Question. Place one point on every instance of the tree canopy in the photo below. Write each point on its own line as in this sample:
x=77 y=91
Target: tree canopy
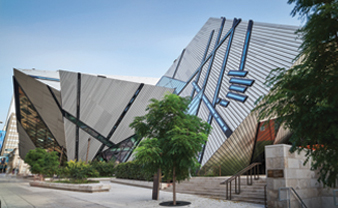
x=305 y=97
x=42 y=162
x=172 y=138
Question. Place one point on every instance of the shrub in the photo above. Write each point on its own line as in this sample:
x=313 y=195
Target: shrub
x=131 y=170
x=105 y=169
x=79 y=171
x=42 y=162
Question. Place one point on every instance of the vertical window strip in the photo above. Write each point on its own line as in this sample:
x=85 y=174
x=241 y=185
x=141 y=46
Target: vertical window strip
x=78 y=100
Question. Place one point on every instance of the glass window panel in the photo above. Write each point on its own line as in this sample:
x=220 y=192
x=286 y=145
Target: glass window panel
x=35 y=127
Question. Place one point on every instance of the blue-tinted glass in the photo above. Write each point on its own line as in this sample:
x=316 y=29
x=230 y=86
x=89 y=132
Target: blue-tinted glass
x=236 y=96
x=248 y=82
x=237 y=73
x=237 y=88
x=224 y=103
x=45 y=78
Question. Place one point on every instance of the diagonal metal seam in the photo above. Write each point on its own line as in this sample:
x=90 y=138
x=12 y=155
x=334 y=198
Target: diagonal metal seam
x=225 y=128
x=206 y=78
x=205 y=54
x=80 y=124
x=210 y=55
x=131 y=101
x=55 y=99
x=88 y=129
x=178 y=64
x=17 y=86
x=91 y=131
x=220 y=77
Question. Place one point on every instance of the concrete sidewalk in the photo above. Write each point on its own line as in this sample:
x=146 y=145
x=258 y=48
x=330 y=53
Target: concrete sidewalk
x=15 y=192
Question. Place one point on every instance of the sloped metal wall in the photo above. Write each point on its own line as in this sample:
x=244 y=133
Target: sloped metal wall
x=228 y=70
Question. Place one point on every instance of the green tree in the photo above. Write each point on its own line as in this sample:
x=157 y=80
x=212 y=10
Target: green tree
x=42 y=162
x=172 y=138
x=305 y=97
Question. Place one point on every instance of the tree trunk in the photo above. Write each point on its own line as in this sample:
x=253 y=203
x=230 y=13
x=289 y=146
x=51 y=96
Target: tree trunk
x=156 y=184
x=174 y=187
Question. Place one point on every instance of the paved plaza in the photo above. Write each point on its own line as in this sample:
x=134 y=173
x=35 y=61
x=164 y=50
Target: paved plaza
x=16 y=193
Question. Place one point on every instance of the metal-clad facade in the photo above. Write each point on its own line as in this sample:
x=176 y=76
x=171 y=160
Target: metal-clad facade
x=103 y=100
x=234 y=74
x=68 y=81
x=138 y=109
x=70 y=139
x=223 y=68
x=25 y=143
x=106 y=108
x=44 y=104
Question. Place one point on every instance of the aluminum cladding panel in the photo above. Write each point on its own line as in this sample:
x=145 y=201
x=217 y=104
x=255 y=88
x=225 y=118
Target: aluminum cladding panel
x=235 y=152
x=25 y=143
x=270 y=46
x=103 y=100
x=83 y=146
x=68 y=82
x=148 y=92
x=44 y=104
x=70 y=139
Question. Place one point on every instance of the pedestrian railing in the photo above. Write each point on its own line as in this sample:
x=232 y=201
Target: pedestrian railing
x=288 y=196
x=335 y=191
x=251 y=170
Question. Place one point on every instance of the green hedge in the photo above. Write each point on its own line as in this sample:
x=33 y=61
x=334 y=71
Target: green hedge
x=105 y=169
x=131 y=170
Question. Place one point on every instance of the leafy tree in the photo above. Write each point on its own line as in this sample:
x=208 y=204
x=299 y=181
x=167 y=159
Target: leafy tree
x=173 y=138
x=42 y=162
x=305 y=97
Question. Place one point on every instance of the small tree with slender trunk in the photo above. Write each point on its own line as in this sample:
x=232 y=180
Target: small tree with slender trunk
x=172 y=138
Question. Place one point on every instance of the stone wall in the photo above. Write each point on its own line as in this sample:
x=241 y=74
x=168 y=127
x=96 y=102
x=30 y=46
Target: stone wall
x=292 y=173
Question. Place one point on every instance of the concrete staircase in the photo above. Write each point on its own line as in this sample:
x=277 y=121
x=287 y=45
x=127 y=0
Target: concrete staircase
x=210 y=187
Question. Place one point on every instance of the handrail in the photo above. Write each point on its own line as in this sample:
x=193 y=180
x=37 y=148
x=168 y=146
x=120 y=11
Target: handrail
x=265 y=199
x=288 y=195
x=236 y=177
x=334 y=197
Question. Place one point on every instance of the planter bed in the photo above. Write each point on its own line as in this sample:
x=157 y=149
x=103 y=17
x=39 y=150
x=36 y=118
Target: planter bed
x=89 y=188
x=144 y=184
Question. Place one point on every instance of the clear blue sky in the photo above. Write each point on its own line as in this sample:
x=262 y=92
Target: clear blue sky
x=117 y=37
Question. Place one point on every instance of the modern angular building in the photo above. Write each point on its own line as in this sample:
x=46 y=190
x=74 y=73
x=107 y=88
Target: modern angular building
x=78 y=115
x=223 y=69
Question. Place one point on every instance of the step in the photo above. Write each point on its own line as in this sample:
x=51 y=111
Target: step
x=211 y=187
x=249 y=200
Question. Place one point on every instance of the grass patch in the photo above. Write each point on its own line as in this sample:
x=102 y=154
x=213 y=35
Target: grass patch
x=77 y=181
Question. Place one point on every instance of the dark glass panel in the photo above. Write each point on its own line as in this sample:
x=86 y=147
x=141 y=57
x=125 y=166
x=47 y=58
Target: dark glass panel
x=35 y=127
x=120 y=153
